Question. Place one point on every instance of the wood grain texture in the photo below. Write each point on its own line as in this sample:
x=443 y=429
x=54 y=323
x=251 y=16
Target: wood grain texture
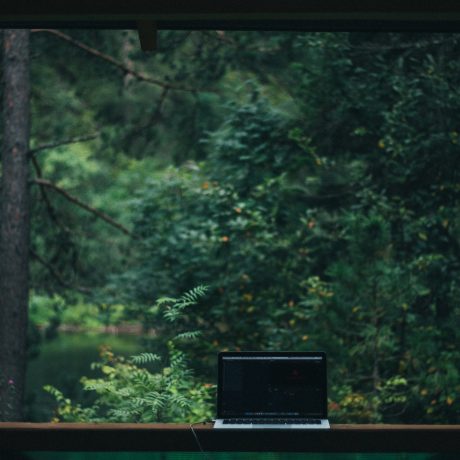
x=179 y=438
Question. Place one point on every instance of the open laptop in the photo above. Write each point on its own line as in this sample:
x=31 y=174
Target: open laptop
x=277 y=389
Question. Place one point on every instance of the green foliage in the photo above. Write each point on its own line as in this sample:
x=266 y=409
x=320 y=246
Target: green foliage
x=129 y=393
x=354 y=202
x=319 y=204
x=230 y=223
x=48 y=313
x=141 y=129
x=385 y=307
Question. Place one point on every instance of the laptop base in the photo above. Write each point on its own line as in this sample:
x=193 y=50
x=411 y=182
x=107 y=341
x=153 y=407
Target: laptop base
x=261 y=424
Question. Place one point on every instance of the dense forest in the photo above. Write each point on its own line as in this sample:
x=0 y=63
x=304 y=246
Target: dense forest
x=250 y=191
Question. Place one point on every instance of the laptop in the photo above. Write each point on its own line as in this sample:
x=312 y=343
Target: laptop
x=272 y=390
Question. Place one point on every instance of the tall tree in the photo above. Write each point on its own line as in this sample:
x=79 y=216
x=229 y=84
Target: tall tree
x=15 y=219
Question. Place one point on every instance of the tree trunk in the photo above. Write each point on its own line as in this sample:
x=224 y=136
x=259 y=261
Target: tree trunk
x=15 y=221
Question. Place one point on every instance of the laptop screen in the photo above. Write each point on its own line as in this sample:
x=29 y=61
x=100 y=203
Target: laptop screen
x=272 y=385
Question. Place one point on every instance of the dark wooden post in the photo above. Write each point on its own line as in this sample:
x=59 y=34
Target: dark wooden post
x=15 y=223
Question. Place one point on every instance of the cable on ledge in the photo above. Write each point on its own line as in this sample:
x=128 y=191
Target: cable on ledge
x=196 y=437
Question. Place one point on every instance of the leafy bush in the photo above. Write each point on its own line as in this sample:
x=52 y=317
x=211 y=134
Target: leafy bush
x=231 y=223
x=129 y=393
x=389 y=360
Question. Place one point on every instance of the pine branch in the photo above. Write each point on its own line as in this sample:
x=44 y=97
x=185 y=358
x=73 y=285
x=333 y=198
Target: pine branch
x=67 y=141
x=55 y=274
x=83 y=205
x=123 y=67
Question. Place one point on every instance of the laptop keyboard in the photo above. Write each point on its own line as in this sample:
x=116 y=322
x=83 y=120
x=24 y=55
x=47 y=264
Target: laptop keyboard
x=271 y=422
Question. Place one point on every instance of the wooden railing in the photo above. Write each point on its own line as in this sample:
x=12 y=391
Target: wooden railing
x=75 y=437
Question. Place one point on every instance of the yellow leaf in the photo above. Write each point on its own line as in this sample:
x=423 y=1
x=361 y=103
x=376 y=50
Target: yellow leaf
x=422 y=236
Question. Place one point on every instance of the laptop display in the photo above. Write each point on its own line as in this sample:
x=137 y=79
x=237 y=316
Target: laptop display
x=272 y=390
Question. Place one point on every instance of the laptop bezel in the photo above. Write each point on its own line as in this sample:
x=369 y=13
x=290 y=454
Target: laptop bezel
x=237 y=354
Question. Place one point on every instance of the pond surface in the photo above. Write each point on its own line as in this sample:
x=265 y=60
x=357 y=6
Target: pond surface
x=62 y=362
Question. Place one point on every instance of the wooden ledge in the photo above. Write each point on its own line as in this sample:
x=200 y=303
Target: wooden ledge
x=84 y=437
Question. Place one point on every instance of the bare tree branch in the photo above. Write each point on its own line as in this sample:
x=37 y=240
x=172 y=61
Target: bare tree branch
x=53 y=271
x=67 y=141
x=157 y=112
x=49 y=206
x=53 y=214
x=83 y=205
x=220 y=35
x=123 y=67
x=155 y=115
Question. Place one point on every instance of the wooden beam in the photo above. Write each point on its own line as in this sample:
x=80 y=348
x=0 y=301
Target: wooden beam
x=84 y=437
x=232 y=7
x=147 y=34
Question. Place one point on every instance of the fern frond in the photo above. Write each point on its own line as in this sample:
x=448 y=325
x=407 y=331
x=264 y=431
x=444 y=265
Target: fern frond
x=166 y=300
x=125 y=392
x=188 y=335
x=178 y=362
x=177 y=378
x=54 y=392
x=191 y=297
x=145 y=358
x=124 y=413
x=144 y=380
x=100 y=386
x=180 y=400
x=155 y=399
x=171 y=314
x=137 y=403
